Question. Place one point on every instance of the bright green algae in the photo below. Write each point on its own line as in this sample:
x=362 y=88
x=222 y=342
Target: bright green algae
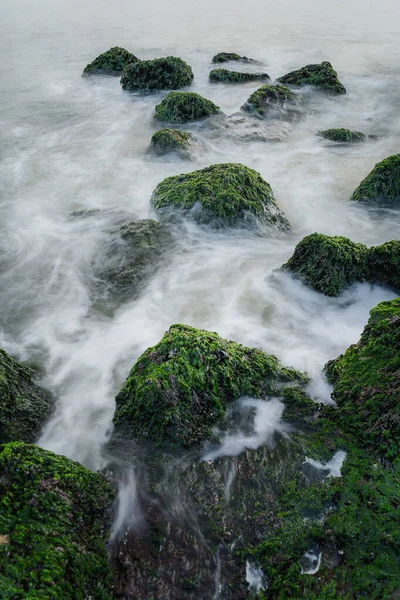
x=268 y=97
x=183 y=107
x=382 y=186
x=226 y=76
x=321 y=75
x=220 y=195
x=168 y=73
x=24 y=407
x=111 y=62
x=366 y=382
x=180 y=388
x=330 y=264
x=54 y=525
x=343 y=135
x=171 y=140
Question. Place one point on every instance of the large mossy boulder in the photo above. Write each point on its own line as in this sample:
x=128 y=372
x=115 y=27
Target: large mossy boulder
x=382 y=186
x=321 y=75
x=222 y=57
x=383 y=264
x=341 y=135
x=54 y=524
x=111 y=62
x=184 y=107
x=165 y=141
x=271 y=99
x=366 y=380
x=179 y=389
x=170 y=73
x=328 y=264
x=224 y=195
x=226 y=76
x=24 y=406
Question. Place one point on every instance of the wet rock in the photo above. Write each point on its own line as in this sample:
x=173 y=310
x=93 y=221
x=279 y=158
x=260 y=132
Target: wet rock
x=224 y=195
x=170 y=73
x=342 y=135
x=24 y=406
x=245 y=128
x=111 y=62
x=54 y=523
x=382 y=186
x=231 y=56
x=383 y=264
x=273 y=100
x=225 y=76
x=165 y=141
x=321 y=75
x=184 y=107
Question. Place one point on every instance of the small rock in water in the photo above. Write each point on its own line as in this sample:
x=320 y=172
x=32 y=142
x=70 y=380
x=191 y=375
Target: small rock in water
x=382 y=186
x=345 y=136
x=226 y=76
x=183 y=107
x=321 y=75
x=273 y=101
x=170 y=73
x=111 y=62
x=231 y=56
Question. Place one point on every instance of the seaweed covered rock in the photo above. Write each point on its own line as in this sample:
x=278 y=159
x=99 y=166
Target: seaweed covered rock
x=173 y=140
x=321 y=75
x=224 y=195
x=383 y=264
x=132 y=254
x=328 y=264
x=24 y=407
x=226 y=76
x=54 y=522
x=382 y=186
x=343 y=135
x=271 y=99
x=230 y=56
x=183 y=107
x=111 y=62
x=179 y=389
x=366 y=380
x=170 y=73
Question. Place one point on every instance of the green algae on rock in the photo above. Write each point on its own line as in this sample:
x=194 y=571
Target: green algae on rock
x=268 y=98
x=382 y=186
x=366 y=380
x=24 y=406
x=183 y=107
x=170 y=73
x=111 y=62
x=321 y=75
x=342 y=135
x=383 y=264
x=328 y=264
x=54 y=522
x=226 y=76
x=222 y=195
x=172 y=140
x=230 y=56
x=179 y=389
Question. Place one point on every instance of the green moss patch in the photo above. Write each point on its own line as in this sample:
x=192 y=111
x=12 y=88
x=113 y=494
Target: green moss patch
x=226 y=76
x=269 y=97
x=230 y=56
x=171 y=140
x=184 y=107
x=382 y=186
x=111 y=62
x=170 y=73
x=321 y=75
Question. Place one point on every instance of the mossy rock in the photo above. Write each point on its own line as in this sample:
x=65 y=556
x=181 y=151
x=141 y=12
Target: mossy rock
x=54 y=524
x=383 y=264
x=224 y=195
x=343 y=135
x=179 y=389
x=111 y=62
x=172 y=140
x=226 y=76
x=269 y=99
x=131 y=256
x=170 y=73
x=24 y=407
x=382 y=186
x=222 y=57
x=184 y=107
x=321 y=75
x=366 y=380
x=328 y=264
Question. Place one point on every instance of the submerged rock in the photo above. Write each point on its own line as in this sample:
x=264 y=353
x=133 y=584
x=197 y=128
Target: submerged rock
x=366 y=381
x=321 y=75
x=224 y=195
x=183 y=107
x=244 y=128
x=54 y=523
x=270 y=100
x=328 y=264
x=382 y=186
x=173 y=140
x=179 y=389
x=231 y=56
x=225 y=76
x=111 y=62
x=342 y=135
x=24 y=406
x=170 y=73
